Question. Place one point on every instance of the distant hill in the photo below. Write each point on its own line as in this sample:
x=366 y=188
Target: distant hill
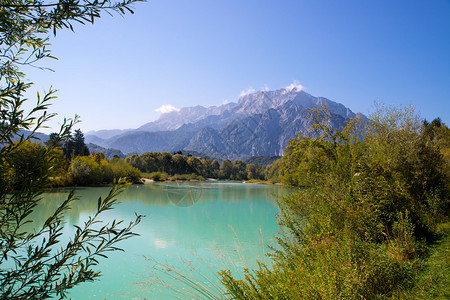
x=37 y=137
x=262 y=160
x=93 y=148
x=109 y=153
x=259 y=124
x=106 y=134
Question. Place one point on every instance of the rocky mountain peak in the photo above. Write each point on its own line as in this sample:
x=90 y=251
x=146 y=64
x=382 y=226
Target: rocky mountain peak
x=259 y=124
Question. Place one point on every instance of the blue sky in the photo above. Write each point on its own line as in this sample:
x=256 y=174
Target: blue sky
x=119 y=71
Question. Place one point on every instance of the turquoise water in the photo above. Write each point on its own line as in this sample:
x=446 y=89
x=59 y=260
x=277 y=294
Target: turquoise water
x=195 y=229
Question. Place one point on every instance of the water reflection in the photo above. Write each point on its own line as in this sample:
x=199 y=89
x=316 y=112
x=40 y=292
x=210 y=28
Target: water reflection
x=238 y=219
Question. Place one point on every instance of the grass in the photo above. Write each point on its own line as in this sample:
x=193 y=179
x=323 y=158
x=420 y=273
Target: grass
x=195 y=278
x=195 y=275
x=433 y=279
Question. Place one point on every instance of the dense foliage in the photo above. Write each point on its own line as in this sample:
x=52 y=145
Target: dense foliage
x=97 y=169
x=367 y=206
x=262 y=160
x=64 y=168
x=34 y=264
x=164 y=165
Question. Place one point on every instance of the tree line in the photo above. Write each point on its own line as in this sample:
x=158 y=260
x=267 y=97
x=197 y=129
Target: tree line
x=73 y=164
x=164 y=165
x=69 y=161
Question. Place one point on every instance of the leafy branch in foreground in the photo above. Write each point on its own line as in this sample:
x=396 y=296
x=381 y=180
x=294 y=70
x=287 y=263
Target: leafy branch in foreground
x=34 y=263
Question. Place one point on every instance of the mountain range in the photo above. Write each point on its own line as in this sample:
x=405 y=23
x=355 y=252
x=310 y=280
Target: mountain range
x=259 y=124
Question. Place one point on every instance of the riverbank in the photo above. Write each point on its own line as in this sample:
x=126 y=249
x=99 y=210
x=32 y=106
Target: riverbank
x=169 y=179
x=433 y=278
x=257 y=181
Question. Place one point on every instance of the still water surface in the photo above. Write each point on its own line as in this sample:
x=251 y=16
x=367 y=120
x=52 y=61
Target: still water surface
x=202 y=225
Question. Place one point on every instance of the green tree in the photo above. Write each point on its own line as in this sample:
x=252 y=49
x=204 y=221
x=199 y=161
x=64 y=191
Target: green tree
x=75 y=146
x=136 y=161
x=35 y=265
x=85 y=170
x=212 y=167
x=179 y=164
x=273 y=172
x=239 y=170
x=226 y=169
x=165 y=162
x=195 y=165
x=255 y=172
x=53 y=140
x=149 y=162
x=98 y=157
x=121 y=169
x=79 y=146
x=31 y=160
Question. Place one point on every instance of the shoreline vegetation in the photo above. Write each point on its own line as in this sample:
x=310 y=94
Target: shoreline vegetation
x=251 y=181
x=368 y=218
x=71 y=164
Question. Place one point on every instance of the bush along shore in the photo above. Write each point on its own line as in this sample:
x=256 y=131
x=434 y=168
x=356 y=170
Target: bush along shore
x=369 y=219
x=71 y=164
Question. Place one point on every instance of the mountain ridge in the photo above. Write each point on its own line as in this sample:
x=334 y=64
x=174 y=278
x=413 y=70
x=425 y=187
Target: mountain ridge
x=259 y=124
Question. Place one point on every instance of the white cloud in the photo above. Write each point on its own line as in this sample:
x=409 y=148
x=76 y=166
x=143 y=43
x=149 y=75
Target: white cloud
x=247 y=92
x=295 y=86
x=266 y=88
x=161 y=244
x=166 y=108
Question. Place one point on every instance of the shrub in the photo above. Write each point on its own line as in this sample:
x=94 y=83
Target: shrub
x=121 y=169
x=84 y=170
x=29 y=159
x=186 y=177
x=157 y=176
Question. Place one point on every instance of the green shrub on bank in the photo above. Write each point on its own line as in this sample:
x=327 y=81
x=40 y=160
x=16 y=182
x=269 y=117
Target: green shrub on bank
x=156 y=176
x=186 y=177
x=274 y=172
x=30 y=159
x=363 y=215
x=161 y=176
x=85 y=170
x=121 y=169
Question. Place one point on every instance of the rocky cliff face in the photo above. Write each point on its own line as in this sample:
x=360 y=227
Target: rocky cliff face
x=259 y=124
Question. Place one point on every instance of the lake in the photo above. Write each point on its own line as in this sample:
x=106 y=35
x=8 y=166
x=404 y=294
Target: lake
x=193 y=229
